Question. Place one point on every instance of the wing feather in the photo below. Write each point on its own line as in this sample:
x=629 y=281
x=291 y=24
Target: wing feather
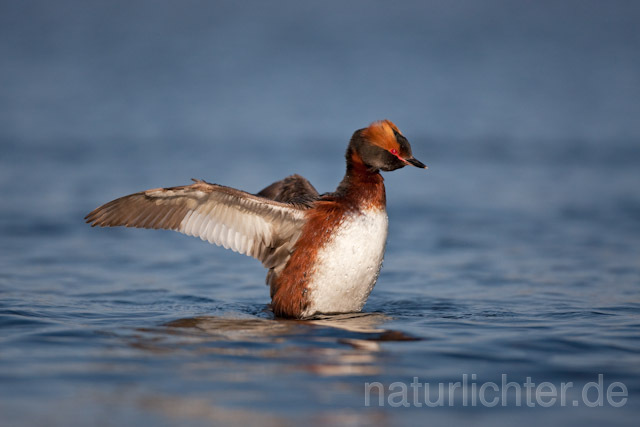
x=243 y=222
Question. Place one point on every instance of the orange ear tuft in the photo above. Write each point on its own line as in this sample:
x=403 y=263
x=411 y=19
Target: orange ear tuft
x=380 y=133
x=391 y=125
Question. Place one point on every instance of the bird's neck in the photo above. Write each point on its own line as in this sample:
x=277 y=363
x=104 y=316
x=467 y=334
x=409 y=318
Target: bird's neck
x=362 y=185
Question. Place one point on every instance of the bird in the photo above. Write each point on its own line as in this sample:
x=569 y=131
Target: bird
x=323 y=252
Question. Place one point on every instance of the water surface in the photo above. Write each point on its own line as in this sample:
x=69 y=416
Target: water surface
x=515 y=254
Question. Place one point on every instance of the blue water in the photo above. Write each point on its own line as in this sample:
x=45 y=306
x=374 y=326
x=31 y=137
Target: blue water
x=517 y=253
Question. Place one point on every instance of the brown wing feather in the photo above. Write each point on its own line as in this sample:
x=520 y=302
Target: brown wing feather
x=250 y=224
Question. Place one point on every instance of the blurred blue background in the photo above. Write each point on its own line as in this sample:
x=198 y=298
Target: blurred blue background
x=288 y=70
x=521 y=240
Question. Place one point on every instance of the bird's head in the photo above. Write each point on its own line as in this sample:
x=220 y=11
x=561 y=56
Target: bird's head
x=382 y=146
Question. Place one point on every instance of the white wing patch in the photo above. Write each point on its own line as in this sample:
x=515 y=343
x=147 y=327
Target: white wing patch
x=245 y=234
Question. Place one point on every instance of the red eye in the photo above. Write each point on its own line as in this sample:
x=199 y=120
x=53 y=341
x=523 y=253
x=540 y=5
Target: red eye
x=394 y=151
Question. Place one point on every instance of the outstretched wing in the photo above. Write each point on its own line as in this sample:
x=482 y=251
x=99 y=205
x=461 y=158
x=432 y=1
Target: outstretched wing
x=245 y=223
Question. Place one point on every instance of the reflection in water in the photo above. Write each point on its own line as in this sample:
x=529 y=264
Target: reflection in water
x=343 y=344
x=238 y=357
x=356 y=322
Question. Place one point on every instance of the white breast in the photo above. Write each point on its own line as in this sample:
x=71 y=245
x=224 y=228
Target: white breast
x=348 y=264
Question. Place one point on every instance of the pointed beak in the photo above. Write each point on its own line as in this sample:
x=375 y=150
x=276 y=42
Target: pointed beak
x=417 y=163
